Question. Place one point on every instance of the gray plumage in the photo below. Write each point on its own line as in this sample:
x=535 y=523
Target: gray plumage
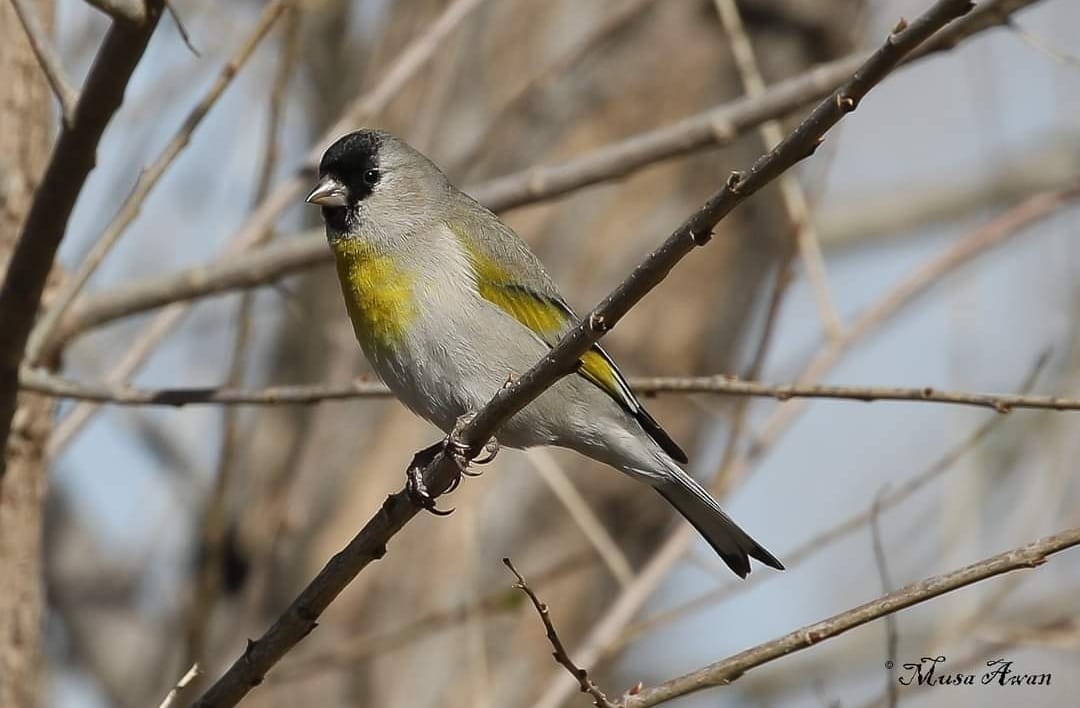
x=447 y=301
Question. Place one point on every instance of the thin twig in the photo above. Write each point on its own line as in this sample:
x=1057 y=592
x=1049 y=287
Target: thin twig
x=72 y=159
x=174 y=693
x=892 y=634
x=713 y=128
x=357 y=648
x=169 y=5
x=49 y=61
x=791 y=192
x=45 y=383
x=1043 y=46
x=38 y=347
x=724 y=672
x=370 y=543
x=587 y=685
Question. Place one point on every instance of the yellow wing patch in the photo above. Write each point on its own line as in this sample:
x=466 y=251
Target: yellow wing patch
x=548 y=317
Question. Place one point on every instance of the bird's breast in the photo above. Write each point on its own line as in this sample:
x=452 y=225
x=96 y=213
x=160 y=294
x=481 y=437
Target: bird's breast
x=378 y=293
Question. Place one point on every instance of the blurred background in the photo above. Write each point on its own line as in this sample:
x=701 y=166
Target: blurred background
x=172 y=535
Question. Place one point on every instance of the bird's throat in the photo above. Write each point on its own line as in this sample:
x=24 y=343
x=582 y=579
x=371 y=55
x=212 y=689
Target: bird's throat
x=378 y=293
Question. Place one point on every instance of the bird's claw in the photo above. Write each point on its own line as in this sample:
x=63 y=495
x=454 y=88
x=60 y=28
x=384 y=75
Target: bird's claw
x=415 y=486
x=418 y=491
x=451 y=446
x=491 y=449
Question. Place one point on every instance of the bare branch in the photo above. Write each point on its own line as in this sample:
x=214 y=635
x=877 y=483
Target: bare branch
x=133 y=11
x=37 y=348
x=255 y=268
x=47 y=57
x=42 y=382
x=792 y=195
x=583 y=516
x=1058 y=55
x=587 y=685
x=714 y=128
x=179 y=22
x=724 y=672
x=892 y=634
x=370 y=543
x=174 y=693
x=356 y=648
x=72 y=159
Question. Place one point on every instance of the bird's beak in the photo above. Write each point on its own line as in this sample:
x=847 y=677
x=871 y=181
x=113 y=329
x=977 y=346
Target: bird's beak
x=328 y=193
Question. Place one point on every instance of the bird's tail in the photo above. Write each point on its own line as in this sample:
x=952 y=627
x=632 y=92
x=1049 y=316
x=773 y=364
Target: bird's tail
x=734 y=545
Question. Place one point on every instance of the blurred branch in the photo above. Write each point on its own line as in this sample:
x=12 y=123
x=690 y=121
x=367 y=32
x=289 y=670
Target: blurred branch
x=42 y=382
x=179 y=22
x=608 y=26
x=713 y=128
x=724 y=672
x=258 y=267
x=440 y=474
x=38 y=347
x=1042 y=165
x=1043 y=46
x=49 y=60
x=583 y=516
x=587 y=685
x=172 y=695
x=356 y=648
x=892 y=635
x=133 y=11
x=73 y=157
x=791 y=192
x=257 y=228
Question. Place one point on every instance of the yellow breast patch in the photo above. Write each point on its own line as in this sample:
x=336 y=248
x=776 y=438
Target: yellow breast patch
x=378 y=293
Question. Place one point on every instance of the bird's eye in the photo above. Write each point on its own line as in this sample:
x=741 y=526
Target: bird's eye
x=371 y=177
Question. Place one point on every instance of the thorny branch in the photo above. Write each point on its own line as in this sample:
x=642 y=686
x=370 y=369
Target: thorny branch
x=587 y=685
x=300 y=618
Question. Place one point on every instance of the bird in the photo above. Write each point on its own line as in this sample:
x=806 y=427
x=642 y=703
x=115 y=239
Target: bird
x=447 y=302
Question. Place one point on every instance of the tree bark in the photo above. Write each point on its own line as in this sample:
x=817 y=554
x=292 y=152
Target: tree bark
x=24 y=143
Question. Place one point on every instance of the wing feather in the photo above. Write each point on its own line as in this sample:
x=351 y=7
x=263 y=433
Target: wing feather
x=539 y=307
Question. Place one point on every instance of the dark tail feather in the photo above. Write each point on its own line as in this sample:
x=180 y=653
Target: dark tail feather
x=733 y=544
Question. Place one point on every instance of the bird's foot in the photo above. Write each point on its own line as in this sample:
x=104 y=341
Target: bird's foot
x=415 y=486
x=458 y=451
